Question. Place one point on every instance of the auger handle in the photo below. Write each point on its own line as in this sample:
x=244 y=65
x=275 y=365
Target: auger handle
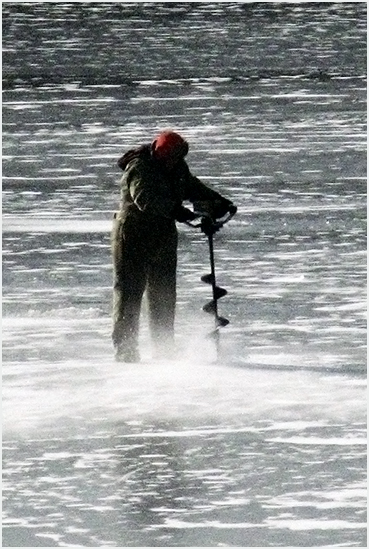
x=208 y=225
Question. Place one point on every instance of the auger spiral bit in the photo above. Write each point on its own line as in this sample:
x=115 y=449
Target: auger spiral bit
x=212 y=306
x=209 y=227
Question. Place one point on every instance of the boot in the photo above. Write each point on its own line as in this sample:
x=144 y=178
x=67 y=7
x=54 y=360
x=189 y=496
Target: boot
x=125 y=353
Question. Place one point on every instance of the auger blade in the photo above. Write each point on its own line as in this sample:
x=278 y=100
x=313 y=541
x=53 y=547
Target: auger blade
x=208 y=279
x=221 y=321
x=219 y=292
x=210 y=307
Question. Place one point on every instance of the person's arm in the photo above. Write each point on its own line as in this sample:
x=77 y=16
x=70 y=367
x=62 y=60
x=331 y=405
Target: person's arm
x=207 y=200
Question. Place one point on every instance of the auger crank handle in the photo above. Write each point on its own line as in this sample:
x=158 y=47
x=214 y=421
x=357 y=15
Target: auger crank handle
x=207 y=223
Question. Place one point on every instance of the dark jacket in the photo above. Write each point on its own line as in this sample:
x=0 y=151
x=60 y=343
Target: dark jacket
x=151 y=193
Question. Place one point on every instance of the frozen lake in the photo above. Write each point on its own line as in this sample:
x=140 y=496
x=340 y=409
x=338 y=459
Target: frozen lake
x=265 y=444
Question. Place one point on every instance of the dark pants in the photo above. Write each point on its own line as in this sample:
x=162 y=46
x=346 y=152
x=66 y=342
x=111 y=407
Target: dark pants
x=144 y=258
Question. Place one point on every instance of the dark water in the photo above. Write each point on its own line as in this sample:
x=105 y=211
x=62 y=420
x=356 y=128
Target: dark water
x=266 y=446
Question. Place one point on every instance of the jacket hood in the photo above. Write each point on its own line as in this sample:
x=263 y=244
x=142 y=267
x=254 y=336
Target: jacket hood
x=132 y=154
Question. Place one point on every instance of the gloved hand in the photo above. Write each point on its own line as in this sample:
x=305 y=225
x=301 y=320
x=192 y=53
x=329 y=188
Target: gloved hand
x=217 y=208
x=183 y=214
x=222 y=207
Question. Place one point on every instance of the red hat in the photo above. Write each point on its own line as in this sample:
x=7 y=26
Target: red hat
x=169 y=144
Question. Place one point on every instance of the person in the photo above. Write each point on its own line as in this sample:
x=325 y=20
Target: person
x=155 y=183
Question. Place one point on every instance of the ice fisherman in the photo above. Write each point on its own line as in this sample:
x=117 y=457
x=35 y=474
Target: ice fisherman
x=155 y=182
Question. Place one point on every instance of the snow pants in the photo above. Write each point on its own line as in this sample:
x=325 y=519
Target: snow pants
x=144 y=259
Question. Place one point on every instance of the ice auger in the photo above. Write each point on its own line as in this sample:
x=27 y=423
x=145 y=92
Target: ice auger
x=209 y=227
